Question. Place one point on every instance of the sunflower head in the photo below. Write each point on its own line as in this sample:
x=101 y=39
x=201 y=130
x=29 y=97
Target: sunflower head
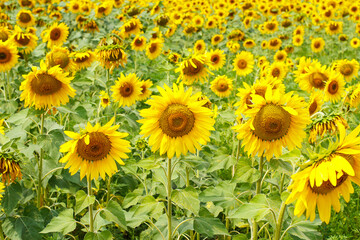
x=59 y=56
x=25 y=18
x=127 y=89
x=244 y=63
x=82 y=59
x=9 y=167
x=222 y=86
x=104 y=99
x=8 y=56
x=56 y=35
x=193 y=69
x=154 y=48
x=217 y=59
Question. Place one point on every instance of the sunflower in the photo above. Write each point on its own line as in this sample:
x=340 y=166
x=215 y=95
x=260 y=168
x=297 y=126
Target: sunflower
x=46 y=87
x=244 y=63
x=316 y=77
x=199 y=46
x=162 y=20
x=154 y=48
x=274 y=44
x=9 y=167
x=25 y=40
x=217 y=59
x=56 y=35
x=271 y=27
x=133 y=26
x=280 y=56
x=8 y=56
x=104 y=99
x=249 y=43
x=95 y=150
x=2 y=189
x=126 y=90
x=4 y=34
x=335 y=87
x=91 y=26
x=59 y=56
x=334 y=27
x=171 y=30
x=103 y=9
x=315 y=102
x=74 y=6
x=222 y=86
x=355 y=43
x=27 y=3
x=348 y=69
x=298 y=40
x=174 y=57
x=82 y=59
x=275 y=121
x=25 y=18
x=176 y=121
x=299 y=30
x=2 y=127
x=303 y=67
x=145 y=92
x=317 y=44
x=216 y=39
x=264 y=44
x=277 y=70
x=139 y=43
x=111 y=56
x=329 y=176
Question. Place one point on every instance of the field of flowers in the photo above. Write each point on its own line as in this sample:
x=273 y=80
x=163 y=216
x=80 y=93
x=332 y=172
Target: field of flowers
x=193 y=119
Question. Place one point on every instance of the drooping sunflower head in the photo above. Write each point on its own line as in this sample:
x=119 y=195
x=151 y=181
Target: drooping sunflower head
x=348 y=69
x=91 y=26
x=56 y=35
x=95 y=151
x=46 y=87
x=176 y=121
x=154 y=48
x=244 y=63
x=9 y=167
x=111 y=56
x=82 y=59
x=139 y=43
x=59 y=56
x=217 y=59
x=193 y=69
x=145 y=91
x=25 y=18
x=127 y=89
x=222 y=86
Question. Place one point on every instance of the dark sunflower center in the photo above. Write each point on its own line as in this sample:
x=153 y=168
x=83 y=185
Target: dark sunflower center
x=328 y=13
x=272 y=122
x=59 y=58
x=177 y=120
x=98 y=148
x=130 y=27
x=153 y=48
x=45 y=84
x=222 y=86
x=242 y=64
x=318 y=80
x=333 y=26
x=270 y=26
x=217 y=38
x=5 y=55
x=275 y=72
x=143 y=89
x=313 y=108
x=280 y=57
x=115 y=55
x=215 y=59
x=105 y=100
x=333 y=87
x=346 y=69
x=75 y=7
x=327 y=186
x=126 y=89
x=55 y=34
x=274 y=43
x=138 y=42
x=101 y=9
x=81 y=60
x=190 y=70
x=24 y=17
x=23 y=40
x=26 y=3
x=199 y=47
x=317 y=45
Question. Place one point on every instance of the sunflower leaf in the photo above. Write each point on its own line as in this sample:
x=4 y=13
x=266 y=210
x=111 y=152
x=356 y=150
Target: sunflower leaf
x=83 y=200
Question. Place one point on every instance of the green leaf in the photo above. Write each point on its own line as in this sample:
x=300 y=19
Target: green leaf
x=221 y=195
x=64 y=223
x=113 y=212
x=257 y=209
x=104 y=235
x=187 y=198
x=82 y=201
x=304 y=229
x=148 y=163
x=150 y=206
x=209 y=226
x=13 y=194
x=246 y=173
x=221 y=162
x=22 y=228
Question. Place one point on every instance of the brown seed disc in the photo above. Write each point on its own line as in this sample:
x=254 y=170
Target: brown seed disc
x=346 y=69
x=242 y=64
x=327 y=186
x=55 y=34
x=24 y=17
x=23 y=40
x=153 y=48
x=222 y=86
x=132 y=26
x=45 y=84
x=272 y=122
x=81 y=60
x=215 y=59
x=98 y=148
x=275 y=72
x=5 y=55
x=333 y=87
x=318 y=80
x=313 y=107
x=138 y=42
x=126 y=89
x=190 y=70
x=177 y=120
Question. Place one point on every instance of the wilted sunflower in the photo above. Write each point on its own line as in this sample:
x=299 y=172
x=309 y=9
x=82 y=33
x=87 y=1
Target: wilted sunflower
x=91 y=26
x=133 y=26
x=25 y=18
x=2 y=189
x=315 y=102
x=317 y=44
x=59 y=56
x=46 y=87
x=8 y=56
x=139 y=43
x=9 y=167
x=111 y=56
x=275 y=121
x=335 y=87
x=222 y=86
x=244 y=63
x=95 y=150
x=193 y=69
x=126 y=90
x=217 y=59
x=145 y=91
x=83 y=59
x=104 y=99
x=56 y=35
x=329 y=176
x=24 y=39
x=154 y=48
x=176 y=121
x=349 y=69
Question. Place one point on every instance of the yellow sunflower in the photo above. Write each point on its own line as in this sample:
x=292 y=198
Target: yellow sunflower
x=317 y=44
x=280 y=56
x=193 y=69
x=222 y=86
x=323 y=124
x=95 y=150
x=24 y=39
x=316 y=101
x=56 y=35
x=244 y=63
x=355 y=43
x=176 y=121
x=249 y=43
x=335 y=87
x=139 y=43
x=329 y=176
x=274 y=44
x=154 y=48
x=316 y=77
x=145 y=92
x=2 y=127
x=216 y=39
x=349 y=69
x=199 y=46
x=2 y=189
x=217 y=59
x=46 y=87
x=25 y=18
x=298 y=40
x=59 y=56
x=126 y=90
x=4 y=33
x=9 y=168
x=8 y=56
x=277 y=70
x=275 y=121
x=104 y=99
x=103 y=9
x=334 y=27
x=133 y=26
x=83 y=59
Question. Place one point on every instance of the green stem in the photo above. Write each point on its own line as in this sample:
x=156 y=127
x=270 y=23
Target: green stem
x=91 y=214
x=258 y=191
x=187 y=176
x=279 y=221
x=237 y=158
x=281 y=187
x=108 y=190
x=40 y=166
x=169 y=206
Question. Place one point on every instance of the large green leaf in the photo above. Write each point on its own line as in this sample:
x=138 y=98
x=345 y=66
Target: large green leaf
x=13 y=194
x=22 y=227
x=105 y=235
x=82 y=201
x=64 y=223
x=256 y=209
x=209 y=226
x=113 y=212
x=222 y=195
x=187 y=198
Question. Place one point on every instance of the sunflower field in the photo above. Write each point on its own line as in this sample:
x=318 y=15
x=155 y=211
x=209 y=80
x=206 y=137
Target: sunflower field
x=179 y=120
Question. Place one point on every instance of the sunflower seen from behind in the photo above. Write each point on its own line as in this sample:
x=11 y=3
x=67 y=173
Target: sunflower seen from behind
x=126 y=90
x=46 y=87
x=176 y=121
x=59 y=56
x=95 y=150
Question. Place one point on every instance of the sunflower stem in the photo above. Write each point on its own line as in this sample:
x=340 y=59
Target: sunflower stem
x=187 y=176
x=40 y=163
x=258 y=191
x=169 y=206
x=91 y=214
x=108 y=190
x=279 y=221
